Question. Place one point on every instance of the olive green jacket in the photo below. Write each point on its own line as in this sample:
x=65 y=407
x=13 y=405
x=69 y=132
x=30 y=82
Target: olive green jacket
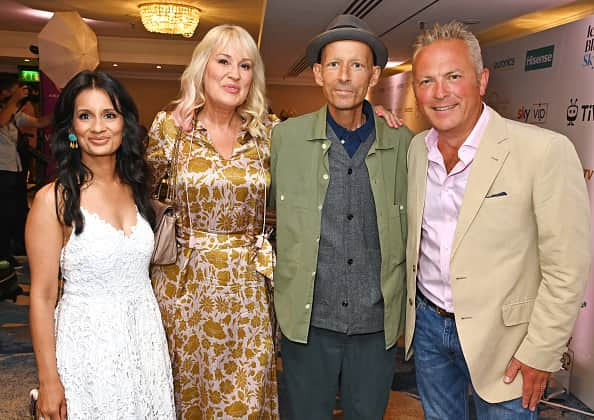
x=300 y=175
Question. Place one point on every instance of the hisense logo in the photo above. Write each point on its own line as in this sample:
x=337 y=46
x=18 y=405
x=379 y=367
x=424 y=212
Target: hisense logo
x=539 y=58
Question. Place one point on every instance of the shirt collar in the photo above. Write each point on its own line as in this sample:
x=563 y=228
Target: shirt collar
x=468 y=149
x=362 y=132
x=243 y=137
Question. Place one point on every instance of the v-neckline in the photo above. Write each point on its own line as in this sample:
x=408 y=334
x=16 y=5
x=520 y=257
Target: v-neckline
x=120 y=231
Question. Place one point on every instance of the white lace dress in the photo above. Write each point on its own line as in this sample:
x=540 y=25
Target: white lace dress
x=111 y=348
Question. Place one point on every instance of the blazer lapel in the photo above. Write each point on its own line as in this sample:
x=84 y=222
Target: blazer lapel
x=489 y=159
x=420 y=180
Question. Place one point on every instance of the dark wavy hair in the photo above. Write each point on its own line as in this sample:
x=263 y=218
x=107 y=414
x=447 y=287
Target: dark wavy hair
x=131 y=166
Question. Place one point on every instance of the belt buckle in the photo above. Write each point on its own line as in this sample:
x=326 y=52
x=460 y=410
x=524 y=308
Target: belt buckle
x=443 y=312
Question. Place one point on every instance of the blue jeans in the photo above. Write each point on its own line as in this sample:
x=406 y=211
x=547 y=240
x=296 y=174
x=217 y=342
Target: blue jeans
x=443 y=379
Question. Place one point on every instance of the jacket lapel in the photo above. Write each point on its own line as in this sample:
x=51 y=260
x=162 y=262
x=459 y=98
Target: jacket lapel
x=491 y=154
x=419 y=177
x=375 y=153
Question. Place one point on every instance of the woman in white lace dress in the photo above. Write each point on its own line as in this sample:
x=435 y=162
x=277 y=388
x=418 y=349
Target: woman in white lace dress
x=102 y=354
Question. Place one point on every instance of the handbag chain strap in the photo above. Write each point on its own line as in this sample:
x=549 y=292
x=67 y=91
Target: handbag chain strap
x=172 y=170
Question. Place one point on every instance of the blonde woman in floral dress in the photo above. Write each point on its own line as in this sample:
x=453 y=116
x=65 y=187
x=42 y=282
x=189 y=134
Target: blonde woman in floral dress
x=214 y=299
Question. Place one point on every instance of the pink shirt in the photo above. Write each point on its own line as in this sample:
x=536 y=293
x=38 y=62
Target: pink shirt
x=443 y=198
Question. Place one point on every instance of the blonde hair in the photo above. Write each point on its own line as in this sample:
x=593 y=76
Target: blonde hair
x=253 y=110
x=451 y=30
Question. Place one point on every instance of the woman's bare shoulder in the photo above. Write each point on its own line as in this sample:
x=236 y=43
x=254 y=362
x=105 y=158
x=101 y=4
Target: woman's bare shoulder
x=45 y=198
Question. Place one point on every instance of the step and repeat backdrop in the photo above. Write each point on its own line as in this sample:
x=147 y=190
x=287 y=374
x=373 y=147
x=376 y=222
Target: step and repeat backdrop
x=547 y=79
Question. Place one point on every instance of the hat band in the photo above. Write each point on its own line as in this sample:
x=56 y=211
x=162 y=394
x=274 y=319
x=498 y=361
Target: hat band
x=344 y=26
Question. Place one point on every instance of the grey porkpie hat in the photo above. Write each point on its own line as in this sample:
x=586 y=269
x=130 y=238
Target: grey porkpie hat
x=347 y=27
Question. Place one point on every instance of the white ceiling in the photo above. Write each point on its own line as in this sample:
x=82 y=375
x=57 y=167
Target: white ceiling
x=121 y=17
x=286 y=28
x=290 y=24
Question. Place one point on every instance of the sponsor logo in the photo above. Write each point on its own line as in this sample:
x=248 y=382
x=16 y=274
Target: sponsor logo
x=588 y=60
x=533 y=114
x=505 y=64
x=539 y=58
x=577 y=112
x=572 y=111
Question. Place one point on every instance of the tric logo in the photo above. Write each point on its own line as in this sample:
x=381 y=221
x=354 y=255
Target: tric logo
x=572 y=111
x=574 y=114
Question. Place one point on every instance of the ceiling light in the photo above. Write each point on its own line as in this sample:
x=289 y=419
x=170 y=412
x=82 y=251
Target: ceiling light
x=114 y=64
x=158 y=66
x=170 y=18
x=43 y=14
x=394 y=63
x=26 y=60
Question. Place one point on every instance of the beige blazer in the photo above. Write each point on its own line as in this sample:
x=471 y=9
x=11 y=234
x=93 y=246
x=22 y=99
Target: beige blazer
x=521 y=252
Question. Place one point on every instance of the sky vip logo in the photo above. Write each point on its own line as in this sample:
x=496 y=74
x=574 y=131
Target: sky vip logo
x=533 y=114
x=539 y=58
x=505 y=64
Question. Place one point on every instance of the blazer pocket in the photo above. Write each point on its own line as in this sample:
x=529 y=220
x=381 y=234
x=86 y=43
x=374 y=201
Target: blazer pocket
x=497 y=195
x=517 y=313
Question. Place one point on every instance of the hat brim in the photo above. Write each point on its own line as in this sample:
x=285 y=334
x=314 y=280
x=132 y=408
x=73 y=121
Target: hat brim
x=313 y=51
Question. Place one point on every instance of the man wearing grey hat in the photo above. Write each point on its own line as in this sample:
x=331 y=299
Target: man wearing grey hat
x=339 y=189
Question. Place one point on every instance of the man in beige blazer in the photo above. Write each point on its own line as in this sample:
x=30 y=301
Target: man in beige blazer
x=498 y=251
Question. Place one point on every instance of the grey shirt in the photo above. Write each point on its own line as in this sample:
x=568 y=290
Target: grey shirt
x=347 y=293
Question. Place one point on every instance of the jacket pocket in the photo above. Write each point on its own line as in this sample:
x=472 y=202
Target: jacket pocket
x=517 y=313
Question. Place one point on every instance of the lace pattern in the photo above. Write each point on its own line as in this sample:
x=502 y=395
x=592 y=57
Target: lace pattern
x=111 y=348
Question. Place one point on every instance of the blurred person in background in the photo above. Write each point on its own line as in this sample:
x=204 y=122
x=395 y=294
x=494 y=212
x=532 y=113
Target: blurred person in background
x=13 y=188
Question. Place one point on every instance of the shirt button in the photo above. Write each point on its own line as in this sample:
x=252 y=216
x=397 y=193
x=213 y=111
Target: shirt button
x=350 y=217
x=313 y=274
x=324 y=146
x=350 y=171
x=282 y=197
x=401 y=207
x=414 y=269
x=410 y=302
x=350 y=261
x=320 y=207
x=345 y=303
x=325 y=176
x=307 y=306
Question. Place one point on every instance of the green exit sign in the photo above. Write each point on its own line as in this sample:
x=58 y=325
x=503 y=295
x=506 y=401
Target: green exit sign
x=29 y=75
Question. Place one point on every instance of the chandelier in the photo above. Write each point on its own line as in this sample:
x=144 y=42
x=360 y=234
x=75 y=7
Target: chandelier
x=170 y=18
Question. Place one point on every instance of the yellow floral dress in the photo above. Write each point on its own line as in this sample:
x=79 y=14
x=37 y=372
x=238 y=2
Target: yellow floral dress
x=213 y=300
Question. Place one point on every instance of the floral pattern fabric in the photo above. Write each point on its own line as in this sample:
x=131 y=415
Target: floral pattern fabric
x=214 y=300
